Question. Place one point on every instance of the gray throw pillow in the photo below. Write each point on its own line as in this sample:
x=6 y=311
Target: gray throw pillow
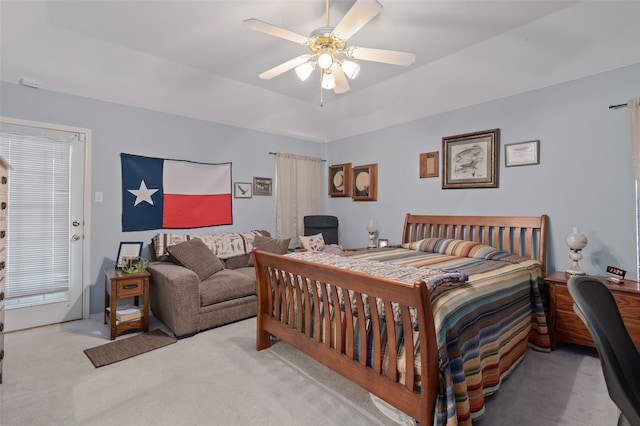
x=195 y=255
x=271 y=245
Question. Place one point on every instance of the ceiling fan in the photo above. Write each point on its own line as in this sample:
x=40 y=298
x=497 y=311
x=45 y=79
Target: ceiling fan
x=329 y=50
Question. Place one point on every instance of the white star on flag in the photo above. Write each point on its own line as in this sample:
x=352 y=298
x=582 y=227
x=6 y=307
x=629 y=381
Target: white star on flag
x=143 y=193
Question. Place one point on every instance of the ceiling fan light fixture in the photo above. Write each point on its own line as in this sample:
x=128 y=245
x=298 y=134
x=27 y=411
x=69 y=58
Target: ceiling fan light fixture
x=325 y=60
x=351 y=69
x=328 y=80
x=304 y=71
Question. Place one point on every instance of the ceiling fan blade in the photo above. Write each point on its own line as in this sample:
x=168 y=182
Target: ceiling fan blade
x=256 y=24
x=380 y=55
x=360 y=13
x=282 y=68
x=342 y=85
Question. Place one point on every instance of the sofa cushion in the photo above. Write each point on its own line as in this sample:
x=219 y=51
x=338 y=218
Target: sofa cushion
x=270 y=245
x=195 y=255
x=225 y=245
x=237 y=262
x=226 y=285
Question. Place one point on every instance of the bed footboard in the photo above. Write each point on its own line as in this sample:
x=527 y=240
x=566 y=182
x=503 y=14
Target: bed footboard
x=357 y=324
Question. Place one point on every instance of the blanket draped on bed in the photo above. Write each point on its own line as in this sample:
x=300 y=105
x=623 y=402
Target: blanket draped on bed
x=483 y=326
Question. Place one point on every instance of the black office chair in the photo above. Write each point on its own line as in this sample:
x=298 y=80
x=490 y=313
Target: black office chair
x=321 y=224
x=619 y=357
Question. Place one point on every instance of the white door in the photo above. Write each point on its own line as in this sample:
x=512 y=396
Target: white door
x=46 y=244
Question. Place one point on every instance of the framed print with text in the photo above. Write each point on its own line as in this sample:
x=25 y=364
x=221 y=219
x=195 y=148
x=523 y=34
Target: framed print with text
x=471 y=160
x=522 y=153
x=340 y=180
x=365 y=183
x=429 y=164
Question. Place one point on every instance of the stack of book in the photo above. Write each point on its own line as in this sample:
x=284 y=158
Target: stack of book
x=126 y=313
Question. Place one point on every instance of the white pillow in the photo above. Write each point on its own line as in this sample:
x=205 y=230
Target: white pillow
x=312 y=242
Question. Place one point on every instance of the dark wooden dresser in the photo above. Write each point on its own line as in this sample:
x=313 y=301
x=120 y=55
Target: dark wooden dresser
x=566 y=326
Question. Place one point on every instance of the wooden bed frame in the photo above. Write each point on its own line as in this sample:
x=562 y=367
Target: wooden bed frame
x=283 y=308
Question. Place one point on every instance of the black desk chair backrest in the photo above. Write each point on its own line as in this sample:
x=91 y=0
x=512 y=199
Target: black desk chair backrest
x=619 y=357
x=322 y=224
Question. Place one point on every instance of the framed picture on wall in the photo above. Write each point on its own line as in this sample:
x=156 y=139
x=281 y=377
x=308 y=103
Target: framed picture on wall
x=340 y=180
x=522 y=153
x=261 y=186
x=429 y=164
x=471 y=160
x=365 y=183
x=242 y=190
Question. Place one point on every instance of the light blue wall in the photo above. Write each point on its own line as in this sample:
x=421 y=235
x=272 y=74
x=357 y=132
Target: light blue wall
x=117 y=128
x=584 y=177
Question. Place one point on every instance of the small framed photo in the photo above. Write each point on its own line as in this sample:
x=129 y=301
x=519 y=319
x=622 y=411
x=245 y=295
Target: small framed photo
x=522 y=153
x=471 y=160
x=429 y=164
x=242 y=190
x=340 y=180
x=261 y=186
x=365 y=183
x=127 y=253
x=382 y=242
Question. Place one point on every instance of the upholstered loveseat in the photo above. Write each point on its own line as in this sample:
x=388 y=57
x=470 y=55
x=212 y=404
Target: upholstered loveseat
x=201 y=282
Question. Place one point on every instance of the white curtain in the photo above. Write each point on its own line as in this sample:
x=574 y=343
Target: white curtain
x=298 y=193
x=633 y=105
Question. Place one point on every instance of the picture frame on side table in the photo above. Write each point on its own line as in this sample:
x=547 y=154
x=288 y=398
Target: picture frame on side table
x=365 y=183
x=382 y=242
x=522 y=153
x=340 y=180
x=429 y=164
x=262 y=186
x=242 y=190
x=128 y=250
x=471 y=160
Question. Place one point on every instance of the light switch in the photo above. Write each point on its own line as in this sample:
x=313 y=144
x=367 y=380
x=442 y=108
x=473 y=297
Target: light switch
x=98 y=197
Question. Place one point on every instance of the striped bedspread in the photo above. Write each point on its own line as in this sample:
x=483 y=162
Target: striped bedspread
x=483 y=326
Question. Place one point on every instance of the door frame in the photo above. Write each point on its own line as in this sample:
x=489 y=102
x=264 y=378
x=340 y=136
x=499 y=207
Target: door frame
x=84 y=135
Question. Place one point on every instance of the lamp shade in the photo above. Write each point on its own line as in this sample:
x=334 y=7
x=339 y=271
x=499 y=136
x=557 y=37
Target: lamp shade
x=304 y=71
x=351 y=69
x=328 y=81
x=325 y=60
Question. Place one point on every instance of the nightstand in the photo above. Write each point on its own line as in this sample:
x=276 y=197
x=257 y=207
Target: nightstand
x=566 y=326
x=120 y=285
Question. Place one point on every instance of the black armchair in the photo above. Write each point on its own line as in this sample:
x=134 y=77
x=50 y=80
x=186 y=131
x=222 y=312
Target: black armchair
x=322 y=224
x=619 y=357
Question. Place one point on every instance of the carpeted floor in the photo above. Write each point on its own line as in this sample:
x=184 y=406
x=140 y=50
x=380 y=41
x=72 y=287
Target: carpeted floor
x=218 y=378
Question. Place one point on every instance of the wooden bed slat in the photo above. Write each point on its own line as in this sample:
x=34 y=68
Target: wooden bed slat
x=377 y=336
x=392 y=345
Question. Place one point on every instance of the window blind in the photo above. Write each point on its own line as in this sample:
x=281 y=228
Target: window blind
x=39 y=214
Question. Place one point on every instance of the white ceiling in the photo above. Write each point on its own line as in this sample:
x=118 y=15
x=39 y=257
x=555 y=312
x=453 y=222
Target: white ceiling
x=194 y=58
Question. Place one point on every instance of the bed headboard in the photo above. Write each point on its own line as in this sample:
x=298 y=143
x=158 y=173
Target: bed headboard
x=521 y=235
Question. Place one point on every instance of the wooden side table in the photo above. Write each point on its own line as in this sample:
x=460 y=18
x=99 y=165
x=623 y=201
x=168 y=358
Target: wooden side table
x=566 y=326
x=120 y=285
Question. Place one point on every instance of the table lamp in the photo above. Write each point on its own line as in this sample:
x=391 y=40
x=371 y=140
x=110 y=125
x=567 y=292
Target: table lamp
x=576 y=242
x=371 y=228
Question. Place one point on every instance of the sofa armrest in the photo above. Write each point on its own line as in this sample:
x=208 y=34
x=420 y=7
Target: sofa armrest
x=175 y=297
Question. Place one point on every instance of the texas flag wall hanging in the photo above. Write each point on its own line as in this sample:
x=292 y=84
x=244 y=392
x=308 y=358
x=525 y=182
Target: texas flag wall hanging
x=159 y=193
